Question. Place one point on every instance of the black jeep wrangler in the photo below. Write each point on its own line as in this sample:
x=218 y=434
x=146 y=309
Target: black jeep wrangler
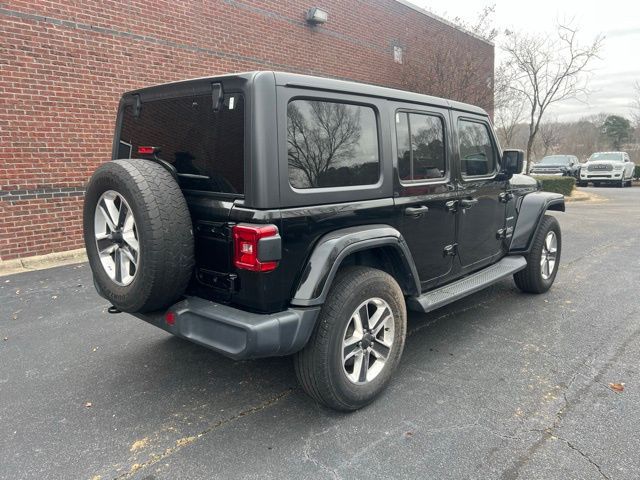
x=264 y=214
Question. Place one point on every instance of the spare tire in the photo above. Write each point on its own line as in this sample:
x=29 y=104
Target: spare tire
x=138 y=235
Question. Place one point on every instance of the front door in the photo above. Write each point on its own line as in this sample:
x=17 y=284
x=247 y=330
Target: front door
x=481 y=214
x=425 y=195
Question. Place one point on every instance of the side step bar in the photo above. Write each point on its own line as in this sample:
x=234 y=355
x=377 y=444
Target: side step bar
x=472 y=283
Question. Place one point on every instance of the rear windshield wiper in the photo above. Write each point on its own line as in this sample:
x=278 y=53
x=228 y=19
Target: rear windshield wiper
x=174 y=172
x=193 y=175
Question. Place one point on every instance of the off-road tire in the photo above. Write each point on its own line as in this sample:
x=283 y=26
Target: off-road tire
x=530 y=279
x=164 y=229
x=319 y=366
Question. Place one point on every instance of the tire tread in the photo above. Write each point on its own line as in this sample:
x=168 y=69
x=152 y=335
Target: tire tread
x=529 y=280
x=309 y=363
x=167 y=228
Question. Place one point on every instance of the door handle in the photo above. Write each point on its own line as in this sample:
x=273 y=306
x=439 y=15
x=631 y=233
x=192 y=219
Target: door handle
x=416 y=211
x=468 y=202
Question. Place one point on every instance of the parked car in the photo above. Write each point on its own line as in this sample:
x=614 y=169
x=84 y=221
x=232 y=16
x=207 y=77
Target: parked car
x=565 y=165
x=274 y=214
x=611 y=168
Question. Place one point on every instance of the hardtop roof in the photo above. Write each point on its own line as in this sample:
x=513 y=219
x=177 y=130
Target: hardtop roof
x=321 y=83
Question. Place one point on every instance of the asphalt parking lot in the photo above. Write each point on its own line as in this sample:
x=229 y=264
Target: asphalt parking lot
x=498 y=385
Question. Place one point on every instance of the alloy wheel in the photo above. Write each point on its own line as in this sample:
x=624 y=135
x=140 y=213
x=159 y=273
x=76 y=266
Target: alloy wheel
x=367 y=341
x=549 y=255
x=117 y=238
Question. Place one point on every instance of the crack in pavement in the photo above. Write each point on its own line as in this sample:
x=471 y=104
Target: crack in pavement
x=155 y=458
x=575 y=448
x=549 y=432
x=306 y=451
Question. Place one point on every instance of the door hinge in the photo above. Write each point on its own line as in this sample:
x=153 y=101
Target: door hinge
x=504 y=197
x=452 y=206
x=504 y=233
x=450 y=250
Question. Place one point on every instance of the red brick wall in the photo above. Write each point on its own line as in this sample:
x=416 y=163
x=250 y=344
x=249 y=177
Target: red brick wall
x=64 y=65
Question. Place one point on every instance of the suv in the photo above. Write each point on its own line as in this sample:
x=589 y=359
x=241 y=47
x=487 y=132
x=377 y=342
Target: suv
x=613 y=168
x=565 y=165
x=266 y=214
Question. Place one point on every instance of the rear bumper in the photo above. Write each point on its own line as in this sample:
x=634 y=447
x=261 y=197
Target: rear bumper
x=235 y=333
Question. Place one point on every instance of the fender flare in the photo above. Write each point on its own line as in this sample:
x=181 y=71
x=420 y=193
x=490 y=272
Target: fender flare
x=530 y=212
x=334 y=247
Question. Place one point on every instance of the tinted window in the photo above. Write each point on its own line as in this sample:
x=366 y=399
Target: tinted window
x=331 y=144
x=477 y=155
x=420 y=146
x=206 y=147
x=124 y=150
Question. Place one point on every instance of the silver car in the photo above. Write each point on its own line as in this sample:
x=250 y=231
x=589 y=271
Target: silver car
x=614 y=168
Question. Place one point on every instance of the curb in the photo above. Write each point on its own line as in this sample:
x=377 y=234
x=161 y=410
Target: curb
x=582 y=196
x=40 y=262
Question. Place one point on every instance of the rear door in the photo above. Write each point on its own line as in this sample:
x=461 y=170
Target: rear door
x=425 y=195
x=481 y=216
x=203 y=144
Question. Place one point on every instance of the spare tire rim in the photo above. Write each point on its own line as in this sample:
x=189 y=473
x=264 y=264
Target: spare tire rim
x=117 y=238
x=367 y=340
x=549 y=255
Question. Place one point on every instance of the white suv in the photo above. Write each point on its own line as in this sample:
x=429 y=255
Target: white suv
x=615 y=168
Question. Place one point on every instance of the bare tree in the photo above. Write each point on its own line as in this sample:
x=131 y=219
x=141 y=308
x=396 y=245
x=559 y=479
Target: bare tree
x=509 y=109
x=547 y=70
x=550 y=135
x=432 y=74
x=635 y=107
x=635 y=116
x=328 y=134
x=582 y=138
x=483 y=24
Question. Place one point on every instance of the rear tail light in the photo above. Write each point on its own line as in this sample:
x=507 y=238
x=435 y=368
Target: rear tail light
x=246 y=240
x=146 y=150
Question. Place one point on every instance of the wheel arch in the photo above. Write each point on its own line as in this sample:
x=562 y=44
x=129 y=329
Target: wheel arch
x=530 y=213
x=378 y=246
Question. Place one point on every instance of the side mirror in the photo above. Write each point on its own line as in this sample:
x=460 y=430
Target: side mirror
x=512 y=162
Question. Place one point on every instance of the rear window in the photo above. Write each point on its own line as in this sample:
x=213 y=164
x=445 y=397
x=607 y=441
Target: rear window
x=421 y=154
x=205 y=147
x=555 y=160
x=331 y=144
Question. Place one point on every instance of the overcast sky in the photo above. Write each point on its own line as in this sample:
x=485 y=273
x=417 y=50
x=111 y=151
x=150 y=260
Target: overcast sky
x=613 y=76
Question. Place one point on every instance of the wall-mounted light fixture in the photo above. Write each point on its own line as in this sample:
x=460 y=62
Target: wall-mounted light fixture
x=316 y=16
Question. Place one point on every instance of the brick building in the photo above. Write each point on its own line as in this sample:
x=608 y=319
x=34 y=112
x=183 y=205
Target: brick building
x=64 y=65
